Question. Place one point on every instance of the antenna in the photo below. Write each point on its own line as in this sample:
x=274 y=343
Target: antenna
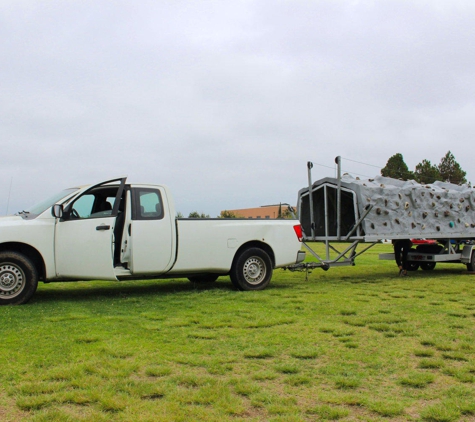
x=9 y=192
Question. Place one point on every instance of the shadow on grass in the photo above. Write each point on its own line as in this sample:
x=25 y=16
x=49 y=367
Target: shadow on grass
x=89 y=290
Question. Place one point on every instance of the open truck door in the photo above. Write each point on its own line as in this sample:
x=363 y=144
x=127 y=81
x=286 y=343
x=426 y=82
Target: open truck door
x=84 y=232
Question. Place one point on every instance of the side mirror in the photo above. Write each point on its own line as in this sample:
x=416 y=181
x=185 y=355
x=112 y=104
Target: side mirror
x=57 y=210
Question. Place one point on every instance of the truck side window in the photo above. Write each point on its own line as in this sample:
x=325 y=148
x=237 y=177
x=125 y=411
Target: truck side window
x=96 y=204
x=83 y=206
x=147 y=204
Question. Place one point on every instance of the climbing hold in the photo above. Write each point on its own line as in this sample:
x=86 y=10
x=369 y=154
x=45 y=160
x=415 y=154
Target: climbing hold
x=406 y=205
x=413 y=225
x=397 y=221
x=451 y=224
x=446 y=213
x=424 y=214
x=438 y=228
x=436 y=214
x=378 y=211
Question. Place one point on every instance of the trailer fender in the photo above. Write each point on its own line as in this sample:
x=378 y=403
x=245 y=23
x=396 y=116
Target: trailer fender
x=468 y=257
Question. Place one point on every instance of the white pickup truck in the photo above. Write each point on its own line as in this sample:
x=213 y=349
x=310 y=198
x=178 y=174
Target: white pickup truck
x=118 y=231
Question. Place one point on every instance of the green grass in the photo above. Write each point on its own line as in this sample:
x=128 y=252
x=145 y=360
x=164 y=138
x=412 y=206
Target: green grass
x=352 y=344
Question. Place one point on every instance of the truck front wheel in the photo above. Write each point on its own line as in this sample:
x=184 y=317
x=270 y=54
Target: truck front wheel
x=18 y=278
x=251 y=270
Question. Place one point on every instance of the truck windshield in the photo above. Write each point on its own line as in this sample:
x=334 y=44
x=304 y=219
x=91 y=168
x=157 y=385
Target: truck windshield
x=37 y=209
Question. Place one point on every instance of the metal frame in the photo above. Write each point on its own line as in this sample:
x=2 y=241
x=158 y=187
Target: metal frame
x=347 y=256
x=450 y=253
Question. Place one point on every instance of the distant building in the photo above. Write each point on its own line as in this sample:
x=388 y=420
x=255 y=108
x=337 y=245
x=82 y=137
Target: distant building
x=264 y=212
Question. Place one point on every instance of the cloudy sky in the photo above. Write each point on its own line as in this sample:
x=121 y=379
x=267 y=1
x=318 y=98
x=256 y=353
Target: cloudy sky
x=226 y=101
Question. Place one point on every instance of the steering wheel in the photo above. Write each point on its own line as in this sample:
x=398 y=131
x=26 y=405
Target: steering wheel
x=74 y=213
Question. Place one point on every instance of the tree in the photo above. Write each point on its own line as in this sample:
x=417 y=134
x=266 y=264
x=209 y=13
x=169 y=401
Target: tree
x=284 y=213
x=426 y=172
x=196 y=214
x=450 y=170
x=227 y=214
x=397 y=168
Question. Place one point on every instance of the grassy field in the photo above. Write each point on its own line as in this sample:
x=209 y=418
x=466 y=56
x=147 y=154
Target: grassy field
x=352 y=344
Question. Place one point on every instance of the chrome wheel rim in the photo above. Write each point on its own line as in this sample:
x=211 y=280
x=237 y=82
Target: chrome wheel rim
x=12 y=280
x=254 y=270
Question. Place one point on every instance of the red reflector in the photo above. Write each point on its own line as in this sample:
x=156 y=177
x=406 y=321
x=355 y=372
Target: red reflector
x=298 y=232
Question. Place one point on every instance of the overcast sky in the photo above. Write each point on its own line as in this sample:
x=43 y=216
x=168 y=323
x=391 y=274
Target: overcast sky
x=226 y=101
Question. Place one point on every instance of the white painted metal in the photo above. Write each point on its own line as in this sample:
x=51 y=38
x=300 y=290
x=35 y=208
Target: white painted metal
x=83 y=248
x=84 y=252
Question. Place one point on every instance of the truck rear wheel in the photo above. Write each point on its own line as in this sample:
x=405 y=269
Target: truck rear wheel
x=18 y=278
x=251 y=270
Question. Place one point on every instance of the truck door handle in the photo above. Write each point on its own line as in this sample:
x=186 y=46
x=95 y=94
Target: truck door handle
x=103 y=227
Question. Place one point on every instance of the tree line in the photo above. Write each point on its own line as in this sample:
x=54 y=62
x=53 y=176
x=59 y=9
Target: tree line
x=448 y=170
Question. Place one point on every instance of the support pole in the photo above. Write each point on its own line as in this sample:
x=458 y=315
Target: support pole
x=338 y=200
x=310 y=198
x=325 y=204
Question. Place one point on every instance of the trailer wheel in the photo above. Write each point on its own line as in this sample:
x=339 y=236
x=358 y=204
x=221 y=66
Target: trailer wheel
x=412 y=266
x=18 y=278
x=251 y=270
x=427 y=266
x=211 y=278
x=471 y=264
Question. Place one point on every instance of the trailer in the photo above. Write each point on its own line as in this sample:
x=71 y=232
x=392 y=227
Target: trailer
x=345 y=213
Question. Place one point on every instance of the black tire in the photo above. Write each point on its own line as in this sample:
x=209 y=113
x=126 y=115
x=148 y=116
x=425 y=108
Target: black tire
x=18 y=278
x=428 y=266
x=251 y=270
x=471 y=264
x=210 y=278
x=412 y=266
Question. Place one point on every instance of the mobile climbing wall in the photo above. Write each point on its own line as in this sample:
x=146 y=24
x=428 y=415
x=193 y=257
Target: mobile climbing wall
x=348 y=208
